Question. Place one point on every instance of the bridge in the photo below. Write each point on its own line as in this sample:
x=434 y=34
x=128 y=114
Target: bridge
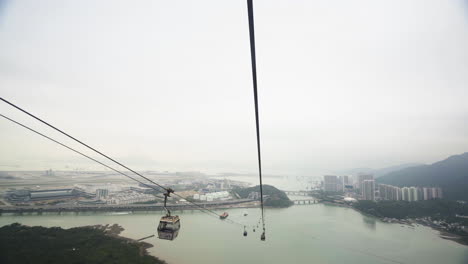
x=298 y=193
x=305 y=202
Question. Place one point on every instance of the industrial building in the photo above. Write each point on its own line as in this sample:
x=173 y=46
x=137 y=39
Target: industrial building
x=209 y=197
x=39 y=195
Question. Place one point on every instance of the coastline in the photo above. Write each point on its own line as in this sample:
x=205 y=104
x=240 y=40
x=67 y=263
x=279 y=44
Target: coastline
x=83 y=244
x=408 y=222
x=114 y=232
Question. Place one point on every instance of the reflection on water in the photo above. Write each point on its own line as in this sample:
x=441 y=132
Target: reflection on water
x=369 y=222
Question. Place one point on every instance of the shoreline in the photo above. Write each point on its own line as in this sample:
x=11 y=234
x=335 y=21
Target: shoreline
x=84 y=244
x=115 y=230
x=444 y=234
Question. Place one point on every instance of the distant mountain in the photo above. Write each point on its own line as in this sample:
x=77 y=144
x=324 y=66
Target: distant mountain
x=384 y=171
x=380 y=172
x=450 y=174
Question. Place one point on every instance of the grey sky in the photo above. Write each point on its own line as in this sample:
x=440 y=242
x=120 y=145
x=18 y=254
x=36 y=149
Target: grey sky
x=166 y=85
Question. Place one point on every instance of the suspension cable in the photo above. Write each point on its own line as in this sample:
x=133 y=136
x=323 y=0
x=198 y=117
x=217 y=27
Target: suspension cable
x=104 y=155
x=202 y=208
x=86 y=145
x=257 y=122
x=76 y=151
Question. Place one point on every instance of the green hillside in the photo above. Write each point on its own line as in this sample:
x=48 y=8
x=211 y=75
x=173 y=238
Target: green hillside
x=450 y=174
x=276 y=198
x=24 y=244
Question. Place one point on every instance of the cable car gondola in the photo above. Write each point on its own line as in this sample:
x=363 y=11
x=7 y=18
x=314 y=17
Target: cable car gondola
x=169 y=225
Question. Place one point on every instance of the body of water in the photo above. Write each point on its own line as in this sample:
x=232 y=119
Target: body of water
x=300 y=234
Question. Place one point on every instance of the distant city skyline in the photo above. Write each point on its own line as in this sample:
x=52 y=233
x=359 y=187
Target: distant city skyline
x=163 y=85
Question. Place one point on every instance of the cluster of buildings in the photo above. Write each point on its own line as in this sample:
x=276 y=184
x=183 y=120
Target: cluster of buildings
x=129 y=197
x=209 y=197
x=367 y=189
x=83 y=194
x=389 y=192
x=333 y=183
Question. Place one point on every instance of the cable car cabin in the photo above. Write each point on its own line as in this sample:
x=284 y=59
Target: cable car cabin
x=168 y=228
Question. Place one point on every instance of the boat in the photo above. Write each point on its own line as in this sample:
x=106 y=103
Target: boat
x=245 y=213
x=224 y=215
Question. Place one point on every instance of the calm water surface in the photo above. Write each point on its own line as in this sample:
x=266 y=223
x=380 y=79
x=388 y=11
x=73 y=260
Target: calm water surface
x=299 y=234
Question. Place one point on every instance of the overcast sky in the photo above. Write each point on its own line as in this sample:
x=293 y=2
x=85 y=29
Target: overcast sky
x=166 y=85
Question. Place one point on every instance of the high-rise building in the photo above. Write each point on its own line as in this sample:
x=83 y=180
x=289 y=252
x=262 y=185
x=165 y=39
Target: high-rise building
x=405 y=194
x=413 y=194
x=399 y=194
x=427 y=193
x=340 y=184
x=420 y=194
x=330 y=183
x=346 y=180
x=389 y=192
x=361 y=178
x=436 y=193
x=368 y=190
x=381 y=188
x=101 y=193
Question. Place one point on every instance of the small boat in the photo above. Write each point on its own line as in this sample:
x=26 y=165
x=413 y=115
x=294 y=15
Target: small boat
x=224 y=215
x=245 y=213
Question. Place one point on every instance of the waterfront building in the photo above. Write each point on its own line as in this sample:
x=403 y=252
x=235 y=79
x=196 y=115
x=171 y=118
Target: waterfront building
x=436 y=193
x=389 y=192
x=399 y=194
x=346 y=180
x=382 y=192
x=340 y=184
x=361 y=178
x=420 y=194
x=405 y=194
x=330 y=183
x=427 y=193
x=368 y=190
x=413 y=194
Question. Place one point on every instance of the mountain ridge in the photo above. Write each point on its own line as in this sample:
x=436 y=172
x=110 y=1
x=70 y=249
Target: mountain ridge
x=451 y=174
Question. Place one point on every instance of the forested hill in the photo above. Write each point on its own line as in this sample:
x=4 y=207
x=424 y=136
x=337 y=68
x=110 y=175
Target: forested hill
x=24 y=244
x=450 y=174
x=276 y=198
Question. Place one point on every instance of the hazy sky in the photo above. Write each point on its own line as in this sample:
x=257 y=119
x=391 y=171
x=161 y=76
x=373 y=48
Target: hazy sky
x=166 y=85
